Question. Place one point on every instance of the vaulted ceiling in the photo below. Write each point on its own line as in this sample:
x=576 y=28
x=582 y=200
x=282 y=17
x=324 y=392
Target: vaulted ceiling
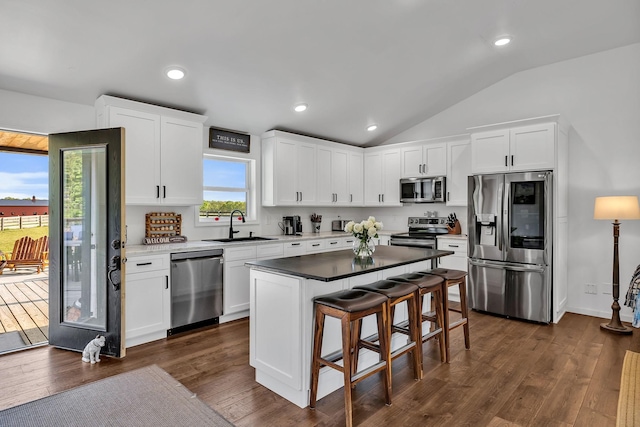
x=394 y=63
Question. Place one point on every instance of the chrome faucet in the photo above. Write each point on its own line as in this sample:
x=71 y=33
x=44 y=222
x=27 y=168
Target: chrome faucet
x=231 y=232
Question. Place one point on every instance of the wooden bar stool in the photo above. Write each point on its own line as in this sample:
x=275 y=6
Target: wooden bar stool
x=434 y=285
x=350 y=306
x=399 y=292
x=453 y=278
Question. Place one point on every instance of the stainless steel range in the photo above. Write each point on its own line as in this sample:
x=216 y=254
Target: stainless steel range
x=422 y=232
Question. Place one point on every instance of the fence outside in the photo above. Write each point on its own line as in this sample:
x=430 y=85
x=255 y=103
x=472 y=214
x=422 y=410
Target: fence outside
x=18 y=222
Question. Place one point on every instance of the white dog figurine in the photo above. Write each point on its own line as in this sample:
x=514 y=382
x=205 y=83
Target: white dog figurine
x=91 y=352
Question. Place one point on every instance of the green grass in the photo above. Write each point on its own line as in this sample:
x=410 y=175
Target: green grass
x=8 y=237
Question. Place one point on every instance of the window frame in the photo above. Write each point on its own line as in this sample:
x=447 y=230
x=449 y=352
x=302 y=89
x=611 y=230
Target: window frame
x=250 y=190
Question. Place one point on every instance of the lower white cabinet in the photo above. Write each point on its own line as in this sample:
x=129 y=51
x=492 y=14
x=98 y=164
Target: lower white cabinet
x=457 y=261
x=236 y=276
x=147 y=299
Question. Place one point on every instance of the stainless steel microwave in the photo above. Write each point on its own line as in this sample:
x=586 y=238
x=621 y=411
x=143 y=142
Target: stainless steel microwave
x=422 y=190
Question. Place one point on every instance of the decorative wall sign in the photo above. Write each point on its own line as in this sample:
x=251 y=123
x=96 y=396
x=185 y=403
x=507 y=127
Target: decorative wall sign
x=225 y=140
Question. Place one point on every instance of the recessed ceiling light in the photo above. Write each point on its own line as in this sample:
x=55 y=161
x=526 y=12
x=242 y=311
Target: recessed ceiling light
x=175 y=73
x=300 y=108
x=502 y=41
x=371 y=128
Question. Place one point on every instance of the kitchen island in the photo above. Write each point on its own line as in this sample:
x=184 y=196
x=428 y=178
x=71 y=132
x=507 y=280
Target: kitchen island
x=281 y=312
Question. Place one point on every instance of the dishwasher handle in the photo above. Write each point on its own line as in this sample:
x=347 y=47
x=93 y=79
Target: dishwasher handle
x=214 y=253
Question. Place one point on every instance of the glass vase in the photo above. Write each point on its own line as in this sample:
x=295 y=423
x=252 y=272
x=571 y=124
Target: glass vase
x=363 y=248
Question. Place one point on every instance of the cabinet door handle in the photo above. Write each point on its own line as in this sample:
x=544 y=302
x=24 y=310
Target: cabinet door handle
x=505 y=161
x=157 y=191
x=419 y=168
x=424 y=168
x=351 y=198
x=164 y=191
x=512 y=160
x=383 y=198
x=448 y=197
x=140 y=264
x=301 y=196
x=166 y=282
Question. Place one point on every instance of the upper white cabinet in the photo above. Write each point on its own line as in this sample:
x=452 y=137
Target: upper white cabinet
x=509 y=147
x=424 y=159
x=299 y=170
x=163 y=162
x=288 y=171
x=382 y=177
x=458 y=169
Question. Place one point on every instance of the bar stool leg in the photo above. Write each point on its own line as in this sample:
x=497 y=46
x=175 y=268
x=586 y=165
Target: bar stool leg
x=445 y=322
x=348 y=366
x=384 y=332
x=415 y=332
x=317 y=350
x=465 y=311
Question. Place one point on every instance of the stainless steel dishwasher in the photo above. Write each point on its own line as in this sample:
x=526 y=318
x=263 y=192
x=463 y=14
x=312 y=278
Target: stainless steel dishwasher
x=196 y=289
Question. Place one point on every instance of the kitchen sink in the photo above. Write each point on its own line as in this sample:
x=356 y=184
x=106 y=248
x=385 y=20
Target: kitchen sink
x=240 y=239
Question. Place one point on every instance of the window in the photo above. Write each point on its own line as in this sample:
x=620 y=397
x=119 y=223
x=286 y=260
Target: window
x=227 y=185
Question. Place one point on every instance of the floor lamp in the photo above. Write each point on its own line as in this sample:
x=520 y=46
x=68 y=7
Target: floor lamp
x=616 y=208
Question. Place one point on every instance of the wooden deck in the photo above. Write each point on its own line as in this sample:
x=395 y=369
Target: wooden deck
x=24 y=310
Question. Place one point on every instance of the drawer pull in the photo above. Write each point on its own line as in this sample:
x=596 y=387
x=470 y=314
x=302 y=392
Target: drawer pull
x=333 y=243
x=143 y=263
x=454 y=246
x=295 y=244
x=316 y=244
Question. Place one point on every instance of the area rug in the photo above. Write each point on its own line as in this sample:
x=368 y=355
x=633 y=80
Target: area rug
x=145 y=397
x=10 y=341
x=629 y=399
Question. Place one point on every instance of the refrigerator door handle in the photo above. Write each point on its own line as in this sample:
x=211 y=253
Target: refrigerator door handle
x=508 y=266
x=500 y=217
x=506 y=208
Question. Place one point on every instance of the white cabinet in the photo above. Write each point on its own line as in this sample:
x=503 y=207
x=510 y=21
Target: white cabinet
x=301 y=170
x=236 y=278
x=288 y=171
x=520 y=148
x=382 y=177
x=356 y=178
x=422 y=159
x=458 y=170
x=332 y=176
x=294 y=249
x=163 y=151
x=147 y=299
x=457 y=261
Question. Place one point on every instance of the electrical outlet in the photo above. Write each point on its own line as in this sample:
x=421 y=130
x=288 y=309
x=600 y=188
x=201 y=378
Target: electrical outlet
x=591 y=289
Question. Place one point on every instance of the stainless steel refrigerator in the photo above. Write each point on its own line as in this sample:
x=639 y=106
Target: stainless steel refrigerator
x=510 y=244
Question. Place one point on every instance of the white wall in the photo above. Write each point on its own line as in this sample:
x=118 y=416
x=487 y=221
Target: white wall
x=35 y=114
x=600 y=97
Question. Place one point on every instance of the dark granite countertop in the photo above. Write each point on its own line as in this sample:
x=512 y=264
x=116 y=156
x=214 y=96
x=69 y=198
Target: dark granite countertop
x=337 y=265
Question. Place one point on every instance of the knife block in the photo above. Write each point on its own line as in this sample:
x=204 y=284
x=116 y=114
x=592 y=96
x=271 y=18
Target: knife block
x=456 y=229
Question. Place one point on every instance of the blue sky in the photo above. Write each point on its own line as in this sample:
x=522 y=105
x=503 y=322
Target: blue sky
x=229 y=174
x=23 y=176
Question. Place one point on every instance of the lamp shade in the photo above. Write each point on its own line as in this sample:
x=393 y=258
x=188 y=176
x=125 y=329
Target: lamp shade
x=617 y=207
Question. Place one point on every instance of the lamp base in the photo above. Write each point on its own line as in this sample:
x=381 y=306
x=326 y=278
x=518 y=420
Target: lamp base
x=618 y=329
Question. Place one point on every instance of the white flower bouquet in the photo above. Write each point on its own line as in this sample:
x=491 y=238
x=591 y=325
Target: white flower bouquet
x=364 y=231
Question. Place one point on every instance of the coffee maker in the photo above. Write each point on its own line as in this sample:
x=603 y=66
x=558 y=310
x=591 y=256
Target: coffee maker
x=291 y=225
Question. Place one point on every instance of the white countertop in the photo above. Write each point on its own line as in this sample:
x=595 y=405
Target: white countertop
x=453 y=236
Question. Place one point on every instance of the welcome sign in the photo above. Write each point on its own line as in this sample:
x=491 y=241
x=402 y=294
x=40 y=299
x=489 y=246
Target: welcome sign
x=225 y=140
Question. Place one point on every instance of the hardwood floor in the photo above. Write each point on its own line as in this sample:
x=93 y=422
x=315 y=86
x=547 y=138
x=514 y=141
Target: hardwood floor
x=516 y=374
